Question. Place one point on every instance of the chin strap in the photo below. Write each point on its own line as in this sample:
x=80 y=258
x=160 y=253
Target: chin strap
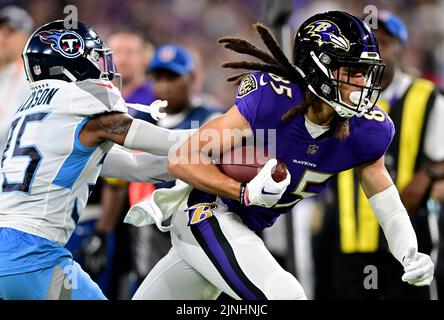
x=341 y=110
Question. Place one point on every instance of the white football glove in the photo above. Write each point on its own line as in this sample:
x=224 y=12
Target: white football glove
x=153 y=109
x=418 y=268
x=262 y=190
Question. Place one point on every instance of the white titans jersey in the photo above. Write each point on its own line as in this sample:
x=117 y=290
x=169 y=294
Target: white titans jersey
x=46 y=174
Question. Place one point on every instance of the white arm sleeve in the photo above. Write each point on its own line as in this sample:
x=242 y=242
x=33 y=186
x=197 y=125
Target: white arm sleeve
x=147 y=137
x=395 y=222
x=135 y=167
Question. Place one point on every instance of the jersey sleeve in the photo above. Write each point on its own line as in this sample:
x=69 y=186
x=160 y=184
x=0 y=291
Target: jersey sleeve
x=95 y=96
x=248 y=97
x=376 y=137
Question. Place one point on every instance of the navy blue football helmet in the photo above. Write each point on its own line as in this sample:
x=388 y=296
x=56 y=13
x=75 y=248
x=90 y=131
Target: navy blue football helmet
x=68 y=54
x=329 y=40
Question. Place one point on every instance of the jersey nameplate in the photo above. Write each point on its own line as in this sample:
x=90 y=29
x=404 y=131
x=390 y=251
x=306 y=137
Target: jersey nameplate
x=37 y=98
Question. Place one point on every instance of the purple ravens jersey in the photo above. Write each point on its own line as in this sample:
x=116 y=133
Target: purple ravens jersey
x=263 y=99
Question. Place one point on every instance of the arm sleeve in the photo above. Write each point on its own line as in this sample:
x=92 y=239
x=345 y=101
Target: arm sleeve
x=150 y=138
x=394 y=221
x=121 y=163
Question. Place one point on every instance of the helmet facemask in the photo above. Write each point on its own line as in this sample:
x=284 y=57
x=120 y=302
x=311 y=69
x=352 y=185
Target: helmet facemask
x=327 y=86
x=103 y=60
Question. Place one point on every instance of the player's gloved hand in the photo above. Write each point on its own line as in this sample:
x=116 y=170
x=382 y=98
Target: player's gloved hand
x=418 y=268
x=154 y=109
x=262 y=190
x=94 y=251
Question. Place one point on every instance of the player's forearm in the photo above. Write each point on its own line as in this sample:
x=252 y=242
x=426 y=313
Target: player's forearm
x=136 y=134
x=123 y=164
x=147 y=137
x=394 y=221
x=388 y=208
x=204 y=175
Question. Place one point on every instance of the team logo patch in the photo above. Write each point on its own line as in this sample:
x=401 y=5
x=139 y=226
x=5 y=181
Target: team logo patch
x=200 y=212
x=247 y=86
x=328 y=32
x=312 y=149
x=68 y=43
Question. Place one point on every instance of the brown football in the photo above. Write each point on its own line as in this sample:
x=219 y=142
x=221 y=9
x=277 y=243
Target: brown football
x=243 y=164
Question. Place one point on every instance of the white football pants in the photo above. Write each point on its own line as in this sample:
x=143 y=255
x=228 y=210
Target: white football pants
x=214 y=251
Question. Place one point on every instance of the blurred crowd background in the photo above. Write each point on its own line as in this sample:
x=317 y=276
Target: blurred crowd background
x=197 y=25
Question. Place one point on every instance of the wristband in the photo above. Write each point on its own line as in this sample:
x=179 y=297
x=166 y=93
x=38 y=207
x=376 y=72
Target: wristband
x=243 y=198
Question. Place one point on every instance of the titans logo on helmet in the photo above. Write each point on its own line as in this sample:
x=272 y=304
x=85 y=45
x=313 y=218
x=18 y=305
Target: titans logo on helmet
x=68 y=43
x=327 y=32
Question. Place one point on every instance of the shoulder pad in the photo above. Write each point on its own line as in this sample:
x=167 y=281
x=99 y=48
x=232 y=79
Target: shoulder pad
x=95 y=96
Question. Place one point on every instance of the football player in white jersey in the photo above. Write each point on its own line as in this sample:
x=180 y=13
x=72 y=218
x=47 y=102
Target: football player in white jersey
x=60 y=140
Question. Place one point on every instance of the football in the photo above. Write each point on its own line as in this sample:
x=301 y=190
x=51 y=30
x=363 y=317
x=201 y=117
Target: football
x=243 y=164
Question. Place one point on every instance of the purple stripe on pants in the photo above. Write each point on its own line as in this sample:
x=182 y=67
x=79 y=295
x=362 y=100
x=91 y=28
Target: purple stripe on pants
x=218 y=252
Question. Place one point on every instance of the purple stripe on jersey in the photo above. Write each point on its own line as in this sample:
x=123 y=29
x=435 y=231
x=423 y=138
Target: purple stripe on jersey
x=213 y=244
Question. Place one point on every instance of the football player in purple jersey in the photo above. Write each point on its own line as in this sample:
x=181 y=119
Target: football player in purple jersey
x=321 y=107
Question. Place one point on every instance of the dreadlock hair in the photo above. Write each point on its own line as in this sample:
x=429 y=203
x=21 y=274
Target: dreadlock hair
x=277 y=63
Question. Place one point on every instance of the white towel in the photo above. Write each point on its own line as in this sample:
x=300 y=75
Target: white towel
x=159 y=206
